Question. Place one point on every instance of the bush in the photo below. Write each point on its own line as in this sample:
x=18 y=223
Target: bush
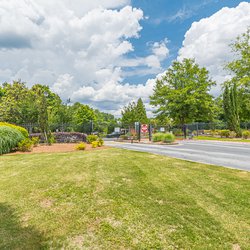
x=91 y=138
x=9 y=139
x=225 y=133
x=94 y=144
x=100 y=142
x=35 y=141
x=81 y=146
x=51 y=139
x=177 y=132
x=246 y=134
x=168 y=138
x=25 y=145
x=21 y=129
x=232 y=134
x=157 y=137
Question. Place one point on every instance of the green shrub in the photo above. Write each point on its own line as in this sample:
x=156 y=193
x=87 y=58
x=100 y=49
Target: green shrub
x=91 y=138
x=35 y=140
x=51 y=138
x=81 y=146
x=21 y=129
x=25 y=145
x=177 y=132
x=232 y=134
x=168 y=138
x=246 y=134
x=100 y=142
x=94 y=144
x=9 y=139
x=225 y=133
x=215 y=132
x=157 y=137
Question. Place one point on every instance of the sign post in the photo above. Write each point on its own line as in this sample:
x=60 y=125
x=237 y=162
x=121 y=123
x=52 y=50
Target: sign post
x=150 y=132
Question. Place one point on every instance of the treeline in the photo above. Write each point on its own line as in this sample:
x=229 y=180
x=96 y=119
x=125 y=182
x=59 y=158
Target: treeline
x=182 y=96
x=46 y=111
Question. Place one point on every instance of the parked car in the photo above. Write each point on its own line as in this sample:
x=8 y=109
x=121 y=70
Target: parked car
x=113 y=135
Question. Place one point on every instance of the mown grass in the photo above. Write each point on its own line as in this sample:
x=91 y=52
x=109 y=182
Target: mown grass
x=118 y=199
x=220 y=139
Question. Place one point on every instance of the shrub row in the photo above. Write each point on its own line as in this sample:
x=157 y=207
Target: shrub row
x=97 y=143
x=162 y=137
x=21 y=129
x=63 y=137
x=9 y=139
x=227 y=133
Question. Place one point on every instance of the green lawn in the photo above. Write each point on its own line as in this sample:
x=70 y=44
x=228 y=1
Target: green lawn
x=117 y=199
x=220 y=139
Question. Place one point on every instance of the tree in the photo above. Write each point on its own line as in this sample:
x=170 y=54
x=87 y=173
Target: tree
x=129 y=114
x=16 y=103
x=134 y=112
x=83 y=117
x=183 y=94
x=105 y=122
x=230 y=104
x=141 y=115
x=241 y=70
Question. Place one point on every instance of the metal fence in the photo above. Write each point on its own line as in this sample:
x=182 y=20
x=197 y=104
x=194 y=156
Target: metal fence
x=195 y=129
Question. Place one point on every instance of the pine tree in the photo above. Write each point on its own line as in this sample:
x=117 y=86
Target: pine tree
x=235 y=110
x=226 y=106
x=141 y=114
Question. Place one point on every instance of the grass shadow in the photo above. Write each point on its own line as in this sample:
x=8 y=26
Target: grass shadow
x=13 y=235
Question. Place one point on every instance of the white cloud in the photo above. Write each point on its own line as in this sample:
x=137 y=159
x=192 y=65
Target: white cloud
x=79 y=48
x=208 y=40
x=62 y=85
x=160 y=49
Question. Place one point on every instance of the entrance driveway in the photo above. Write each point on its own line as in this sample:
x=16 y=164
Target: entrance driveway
x=227 y=154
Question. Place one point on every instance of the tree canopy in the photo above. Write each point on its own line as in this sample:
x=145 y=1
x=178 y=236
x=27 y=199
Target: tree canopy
x=182 y=94
x=41 y=107
x=134 y=112
x=240 y=67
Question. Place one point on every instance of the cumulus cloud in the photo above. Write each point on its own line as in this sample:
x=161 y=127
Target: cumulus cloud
x=79 y=48
x=208 y=40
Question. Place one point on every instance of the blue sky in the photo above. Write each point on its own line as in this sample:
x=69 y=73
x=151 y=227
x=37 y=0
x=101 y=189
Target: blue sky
x=107 y=53
x=171 y=19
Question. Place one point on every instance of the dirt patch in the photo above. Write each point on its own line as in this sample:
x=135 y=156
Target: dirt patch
x=46 y=203
x=236 y=247
x=59 y=147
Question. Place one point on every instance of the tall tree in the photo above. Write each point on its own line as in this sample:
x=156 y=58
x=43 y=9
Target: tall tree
x=141 y=115
x=227 y=105
x=230 y=104
x=105 y=122
x=16 y=105
x=183 y=93
x=129 y=114
x=83 y=117
x=241 y=73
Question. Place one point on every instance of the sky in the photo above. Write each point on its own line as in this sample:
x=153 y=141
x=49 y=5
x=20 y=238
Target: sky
x=107 y=53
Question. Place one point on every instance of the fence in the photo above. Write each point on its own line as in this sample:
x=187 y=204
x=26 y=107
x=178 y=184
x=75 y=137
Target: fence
x=195 y=129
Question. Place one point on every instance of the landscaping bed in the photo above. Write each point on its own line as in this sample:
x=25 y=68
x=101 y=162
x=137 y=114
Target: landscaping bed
x=58 y=147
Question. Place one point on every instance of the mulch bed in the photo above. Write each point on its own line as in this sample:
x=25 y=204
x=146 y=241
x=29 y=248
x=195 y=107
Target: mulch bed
x=59 y=147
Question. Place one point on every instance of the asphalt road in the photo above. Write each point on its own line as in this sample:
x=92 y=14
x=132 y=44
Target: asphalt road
x=233 y=155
